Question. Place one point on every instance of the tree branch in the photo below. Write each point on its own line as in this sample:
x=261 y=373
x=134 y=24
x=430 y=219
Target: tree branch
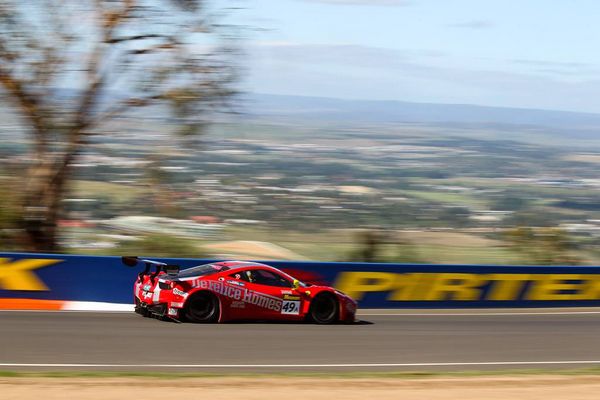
x=110 y=22
x=124 y=106
x=29 y=106
x=134 y=38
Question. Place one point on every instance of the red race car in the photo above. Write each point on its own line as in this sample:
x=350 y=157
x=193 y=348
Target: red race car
x=234 y=290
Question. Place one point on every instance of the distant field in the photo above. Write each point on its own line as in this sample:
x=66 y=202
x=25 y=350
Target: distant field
x=417 y=246
x=586 y=158
x=118 y=192
x=430 y=247
x=457 y=199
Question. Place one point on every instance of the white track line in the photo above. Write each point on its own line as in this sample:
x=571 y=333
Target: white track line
x=350 y=365
x=437 y=314
x=363 y=313
x=97 y=306
x=69 y=311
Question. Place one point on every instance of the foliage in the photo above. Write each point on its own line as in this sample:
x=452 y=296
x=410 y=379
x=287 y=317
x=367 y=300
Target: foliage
x=69 y=68
x=542 y=246
x=382 y=246
x=457 y=217
x=510 y=203
x=533 y=218
x=10 y=215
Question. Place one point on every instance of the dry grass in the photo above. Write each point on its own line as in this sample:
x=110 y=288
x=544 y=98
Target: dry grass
x=534 y=387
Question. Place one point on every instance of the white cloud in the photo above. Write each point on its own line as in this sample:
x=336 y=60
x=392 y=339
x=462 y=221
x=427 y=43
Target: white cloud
x=351 y=71
x=560 y=68
x=474 y=24
x=557 y=64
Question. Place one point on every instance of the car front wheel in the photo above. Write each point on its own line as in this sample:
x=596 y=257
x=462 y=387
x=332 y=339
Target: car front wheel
x=324 y=309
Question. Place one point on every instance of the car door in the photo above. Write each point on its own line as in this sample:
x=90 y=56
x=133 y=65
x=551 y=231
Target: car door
x=236 y=303
x=269 y=295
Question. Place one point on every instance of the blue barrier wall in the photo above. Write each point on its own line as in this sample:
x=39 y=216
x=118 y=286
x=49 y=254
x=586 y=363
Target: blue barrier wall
x=106 y=279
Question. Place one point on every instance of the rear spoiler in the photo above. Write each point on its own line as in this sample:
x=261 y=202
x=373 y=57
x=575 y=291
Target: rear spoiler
x=132 y=261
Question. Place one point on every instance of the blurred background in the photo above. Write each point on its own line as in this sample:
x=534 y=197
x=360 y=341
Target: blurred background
x=334 y=130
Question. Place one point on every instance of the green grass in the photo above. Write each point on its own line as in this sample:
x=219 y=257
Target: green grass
x=457 y=199
x=323 y=375
x=337 y=245
x=438 y=254
x=322 y=246
x=118 y=192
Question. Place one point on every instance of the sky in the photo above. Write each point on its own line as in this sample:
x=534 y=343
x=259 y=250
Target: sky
x=511 y=53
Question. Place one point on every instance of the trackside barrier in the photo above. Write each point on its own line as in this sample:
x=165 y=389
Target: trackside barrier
x=60 y=281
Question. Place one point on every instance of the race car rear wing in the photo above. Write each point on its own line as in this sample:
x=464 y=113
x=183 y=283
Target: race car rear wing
x=132 y=261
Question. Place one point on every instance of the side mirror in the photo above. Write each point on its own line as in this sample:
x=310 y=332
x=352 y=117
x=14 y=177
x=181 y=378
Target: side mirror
x=296 y=284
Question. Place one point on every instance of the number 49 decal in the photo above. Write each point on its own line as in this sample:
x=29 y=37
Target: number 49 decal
x=290 y=307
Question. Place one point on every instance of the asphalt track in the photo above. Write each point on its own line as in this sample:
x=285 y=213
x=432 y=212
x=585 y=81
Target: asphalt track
x=404 y=341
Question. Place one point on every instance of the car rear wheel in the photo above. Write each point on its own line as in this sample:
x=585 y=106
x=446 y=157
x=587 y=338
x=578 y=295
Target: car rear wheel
x=202 y=307
x=143 y=311
x=324 y=309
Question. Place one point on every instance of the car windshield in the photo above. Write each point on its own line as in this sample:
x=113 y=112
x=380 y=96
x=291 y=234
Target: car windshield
x=202 y=270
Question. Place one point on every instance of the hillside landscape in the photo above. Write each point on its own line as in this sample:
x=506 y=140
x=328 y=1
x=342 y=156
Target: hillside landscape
x=314 y=176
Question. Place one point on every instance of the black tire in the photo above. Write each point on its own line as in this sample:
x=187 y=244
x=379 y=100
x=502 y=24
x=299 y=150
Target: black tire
x=324 y=309
x=139 y=309
x=202 y=307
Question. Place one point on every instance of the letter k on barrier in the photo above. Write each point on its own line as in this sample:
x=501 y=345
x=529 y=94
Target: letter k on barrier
x=19 y=275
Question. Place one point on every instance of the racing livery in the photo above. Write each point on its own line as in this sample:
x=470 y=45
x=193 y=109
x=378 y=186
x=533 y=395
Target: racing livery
x=234 y=290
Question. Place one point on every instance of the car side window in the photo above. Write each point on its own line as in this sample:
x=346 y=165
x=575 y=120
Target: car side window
x=245 y=276
x=262 y=277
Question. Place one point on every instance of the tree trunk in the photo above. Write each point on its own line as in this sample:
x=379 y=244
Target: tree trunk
x=45 y=189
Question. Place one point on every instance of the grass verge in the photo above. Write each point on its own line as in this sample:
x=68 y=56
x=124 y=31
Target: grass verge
x=325 y=375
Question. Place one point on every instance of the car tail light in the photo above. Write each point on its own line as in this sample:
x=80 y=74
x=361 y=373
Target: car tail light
x=165 y=285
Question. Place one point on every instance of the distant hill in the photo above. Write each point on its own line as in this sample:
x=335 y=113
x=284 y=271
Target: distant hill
x=521 y=124
x=320 y=108
x=382 y=111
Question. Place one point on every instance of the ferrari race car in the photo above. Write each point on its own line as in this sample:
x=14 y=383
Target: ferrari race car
x=234 y=290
